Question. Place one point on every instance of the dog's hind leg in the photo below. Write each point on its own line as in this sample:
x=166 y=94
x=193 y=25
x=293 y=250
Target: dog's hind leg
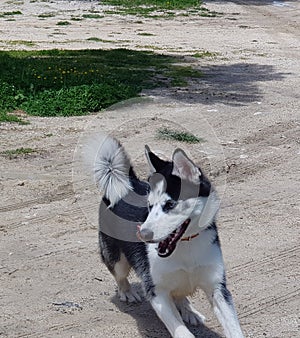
x=167 y=312
x=118 y=265
x=223 y=306
x=120 y=271
x=188 y=313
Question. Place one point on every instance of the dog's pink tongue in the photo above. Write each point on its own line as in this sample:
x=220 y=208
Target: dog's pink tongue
x=166 y=247
x=162 y=246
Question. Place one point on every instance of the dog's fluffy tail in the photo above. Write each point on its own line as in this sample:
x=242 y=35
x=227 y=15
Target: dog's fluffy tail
x=111 y=166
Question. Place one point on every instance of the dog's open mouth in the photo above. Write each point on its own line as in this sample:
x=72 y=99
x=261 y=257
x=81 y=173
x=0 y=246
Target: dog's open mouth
x=168 y=245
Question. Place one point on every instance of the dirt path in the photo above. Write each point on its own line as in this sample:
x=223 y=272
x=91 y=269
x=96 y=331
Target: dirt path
x=246 y=108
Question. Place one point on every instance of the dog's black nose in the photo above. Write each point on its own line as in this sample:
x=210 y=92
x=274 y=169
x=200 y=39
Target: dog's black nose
x=146 y=234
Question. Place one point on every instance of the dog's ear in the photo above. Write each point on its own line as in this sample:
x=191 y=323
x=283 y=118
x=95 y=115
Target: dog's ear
x=184 y=167
x=155 y=163
x=158 y=183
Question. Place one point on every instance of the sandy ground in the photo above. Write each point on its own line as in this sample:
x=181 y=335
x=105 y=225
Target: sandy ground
x=246 y=108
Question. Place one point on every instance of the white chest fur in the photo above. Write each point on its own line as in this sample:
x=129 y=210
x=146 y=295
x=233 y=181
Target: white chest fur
x=196 y=263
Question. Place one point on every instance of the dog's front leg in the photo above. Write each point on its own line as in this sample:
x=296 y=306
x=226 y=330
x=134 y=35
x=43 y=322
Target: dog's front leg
x=166 y=310
x=224 y=309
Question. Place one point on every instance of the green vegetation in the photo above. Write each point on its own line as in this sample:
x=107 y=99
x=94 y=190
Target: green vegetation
x=46 y=15
x=63 y=23
x=66 y=82
x=158 y=8
x=204 y=54
x=74 y=18
x=174 y=135
x=14 y=153
x=145 y=34
x=181 y=74
x=93 y=38
x=4 y=117
x=8 y=14
x=21 y=42
x=92 y=16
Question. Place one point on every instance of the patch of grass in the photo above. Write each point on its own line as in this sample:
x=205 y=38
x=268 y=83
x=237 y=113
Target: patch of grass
x=11 y=118
x=46 y=15
x=66 y=82
x=76 y=19
x=10 y=96
x=63 y=23
x=157 y=8
x=205 y=12
x=12 y=13
x=137 y=11
x=204 y=54
x=166 y=4
x=21 y=42
x=174 y=135
x=145 y=34
x=14 y=153
x=93 y=16
x=15 y=2
x=93 y=38
x=180 y=75
x=151 y=47
x=77 y=100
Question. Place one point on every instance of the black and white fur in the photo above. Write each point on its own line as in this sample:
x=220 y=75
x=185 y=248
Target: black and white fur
x=179 y=249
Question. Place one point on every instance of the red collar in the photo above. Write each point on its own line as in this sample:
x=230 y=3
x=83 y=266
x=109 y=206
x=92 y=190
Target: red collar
x=189 y=237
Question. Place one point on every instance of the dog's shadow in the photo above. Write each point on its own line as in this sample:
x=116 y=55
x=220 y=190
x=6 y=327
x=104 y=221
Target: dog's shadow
x=149 y=324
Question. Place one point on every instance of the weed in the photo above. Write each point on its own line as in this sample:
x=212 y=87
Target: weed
x=46 y=15
x=76 y=19
x=157 y=8
x=15 y=2
x=174 y=4
x=92 y=16
x=21 y=42
x=204 y=54
x=63 y=23
x=10 y=96
x=145 y=34
x=11 y=118
x=179 y=75
x=12 y=13
x=174 y=135
x=100 y=40
x=14 y=153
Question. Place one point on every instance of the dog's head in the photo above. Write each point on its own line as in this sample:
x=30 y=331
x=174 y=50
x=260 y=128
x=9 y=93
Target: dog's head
x=181 y=201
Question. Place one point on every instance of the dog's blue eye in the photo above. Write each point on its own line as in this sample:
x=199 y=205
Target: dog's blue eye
x=170 y=204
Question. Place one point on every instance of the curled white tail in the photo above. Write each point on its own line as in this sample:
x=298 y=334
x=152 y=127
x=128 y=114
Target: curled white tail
x=111 y=165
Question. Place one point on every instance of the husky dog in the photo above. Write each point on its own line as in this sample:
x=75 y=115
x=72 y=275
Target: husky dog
x=166 y=231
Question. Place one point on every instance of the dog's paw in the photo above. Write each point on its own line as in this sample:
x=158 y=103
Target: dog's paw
x=183 y=332
x=193 y=317
x=130 y=296
x=189 y=314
